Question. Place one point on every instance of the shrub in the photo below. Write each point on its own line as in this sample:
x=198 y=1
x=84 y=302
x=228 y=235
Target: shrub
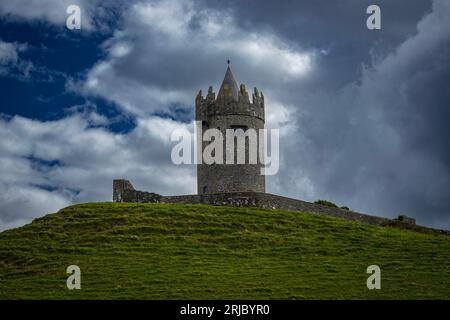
x=326 y=203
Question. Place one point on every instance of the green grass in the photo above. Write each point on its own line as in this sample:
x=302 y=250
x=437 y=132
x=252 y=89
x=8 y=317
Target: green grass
x=163 y=251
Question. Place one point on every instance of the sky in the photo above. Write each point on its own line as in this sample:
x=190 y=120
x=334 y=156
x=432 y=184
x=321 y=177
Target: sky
x=363 y=114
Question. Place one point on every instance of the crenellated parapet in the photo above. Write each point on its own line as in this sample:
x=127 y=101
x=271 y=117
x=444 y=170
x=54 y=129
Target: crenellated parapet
x=224 y=104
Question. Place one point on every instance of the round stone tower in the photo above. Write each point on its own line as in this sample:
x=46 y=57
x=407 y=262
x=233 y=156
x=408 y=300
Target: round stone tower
x=231 y=109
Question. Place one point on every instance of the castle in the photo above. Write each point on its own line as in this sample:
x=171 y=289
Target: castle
x=238 y=184
x=231 y=109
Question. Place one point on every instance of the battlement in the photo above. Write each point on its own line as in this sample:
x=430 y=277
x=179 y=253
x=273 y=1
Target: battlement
x=225 y=104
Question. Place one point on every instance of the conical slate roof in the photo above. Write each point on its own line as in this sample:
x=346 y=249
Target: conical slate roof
x=229 y=87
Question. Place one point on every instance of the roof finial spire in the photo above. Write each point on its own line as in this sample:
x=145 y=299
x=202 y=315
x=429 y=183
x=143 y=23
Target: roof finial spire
x=229 y=88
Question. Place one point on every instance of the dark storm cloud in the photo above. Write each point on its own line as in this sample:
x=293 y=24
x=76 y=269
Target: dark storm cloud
x=339 y=27
x=372 y=118
x=381 y=144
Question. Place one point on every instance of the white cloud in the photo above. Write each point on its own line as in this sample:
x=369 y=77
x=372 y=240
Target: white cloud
x=21 y=204
x=10 y=62
x=94 y=13
x=167 y=50
x=48 y=165
x=8 y=52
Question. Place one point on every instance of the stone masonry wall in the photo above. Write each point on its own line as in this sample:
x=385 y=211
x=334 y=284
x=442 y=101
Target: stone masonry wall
x=273 y=202
x=123 y=191
x=240 y=199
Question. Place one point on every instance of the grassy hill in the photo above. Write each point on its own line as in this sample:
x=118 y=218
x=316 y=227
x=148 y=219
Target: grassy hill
x=162 y=251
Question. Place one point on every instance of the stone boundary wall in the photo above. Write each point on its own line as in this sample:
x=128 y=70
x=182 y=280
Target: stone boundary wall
x=260 y=200
x=123 y=191
x=272 y=202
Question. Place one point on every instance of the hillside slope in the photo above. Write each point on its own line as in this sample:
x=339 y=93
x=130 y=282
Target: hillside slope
x=163 y=251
